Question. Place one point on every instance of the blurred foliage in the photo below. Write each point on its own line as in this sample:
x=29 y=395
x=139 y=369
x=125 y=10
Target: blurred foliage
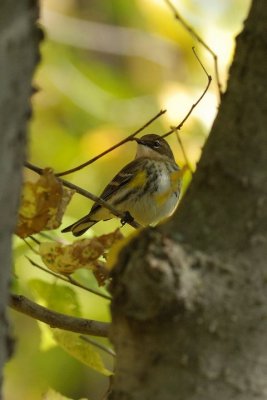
x=107 y=67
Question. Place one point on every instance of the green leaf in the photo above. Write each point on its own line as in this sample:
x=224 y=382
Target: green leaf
x=57 y=297
x=81 y=350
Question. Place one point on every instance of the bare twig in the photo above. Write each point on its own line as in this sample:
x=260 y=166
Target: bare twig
x=178 y=127
x=30 y=246
x=47 y=236
x=99 y=345
x=58 y=320
x=127 y=139
x=69 y=280
x=183 y=151
x=89 y=195
x=34 y=239
x=78 y=284
x=193 y=33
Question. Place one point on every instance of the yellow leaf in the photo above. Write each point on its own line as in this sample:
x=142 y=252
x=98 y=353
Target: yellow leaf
x=115 y=250
x=84 y=253
x=81 y=350
x=43 y=204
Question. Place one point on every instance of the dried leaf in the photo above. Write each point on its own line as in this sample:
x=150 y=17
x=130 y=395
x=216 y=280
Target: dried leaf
x=100 y=272
x=43 y=204
x=65 y=259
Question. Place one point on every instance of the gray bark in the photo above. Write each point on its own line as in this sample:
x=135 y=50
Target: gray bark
x=19 y=38
x=189 y=307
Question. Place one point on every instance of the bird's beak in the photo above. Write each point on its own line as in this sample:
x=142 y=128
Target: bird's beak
x=140 y=141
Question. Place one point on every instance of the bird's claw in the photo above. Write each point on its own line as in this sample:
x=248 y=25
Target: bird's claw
x=127 y=218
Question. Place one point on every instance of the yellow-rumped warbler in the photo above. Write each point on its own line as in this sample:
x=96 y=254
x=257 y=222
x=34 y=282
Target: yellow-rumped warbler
x=148 y=187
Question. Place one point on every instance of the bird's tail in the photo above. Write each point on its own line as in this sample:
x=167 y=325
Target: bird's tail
x=81 y=226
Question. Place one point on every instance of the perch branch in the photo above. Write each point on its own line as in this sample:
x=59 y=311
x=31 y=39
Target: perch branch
x=89 y=195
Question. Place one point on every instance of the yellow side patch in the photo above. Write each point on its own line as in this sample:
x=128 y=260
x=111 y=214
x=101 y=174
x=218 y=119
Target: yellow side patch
x=163 y=197
x=138 y=180
x=175 y=178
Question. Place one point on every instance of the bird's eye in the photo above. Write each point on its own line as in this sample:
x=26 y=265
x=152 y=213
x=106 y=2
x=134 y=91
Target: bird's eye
x=156 y=144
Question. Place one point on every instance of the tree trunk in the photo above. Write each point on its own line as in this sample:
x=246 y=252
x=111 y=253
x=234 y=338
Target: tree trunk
x=19 y=39
x=189 y=307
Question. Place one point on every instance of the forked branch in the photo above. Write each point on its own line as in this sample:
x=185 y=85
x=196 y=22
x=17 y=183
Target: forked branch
x=179 y=126
x=193 y=33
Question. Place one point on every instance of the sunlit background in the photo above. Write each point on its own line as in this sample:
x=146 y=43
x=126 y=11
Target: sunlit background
x=107 y=68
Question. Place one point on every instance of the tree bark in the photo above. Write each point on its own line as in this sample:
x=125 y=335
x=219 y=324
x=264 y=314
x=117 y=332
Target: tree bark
x=189 y=297
x=19 y=39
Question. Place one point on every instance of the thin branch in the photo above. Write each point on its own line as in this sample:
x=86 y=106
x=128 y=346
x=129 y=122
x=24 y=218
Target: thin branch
x=183 y=151
x=34 y=239
x=99 y=345
x=47 y=236
x=30 y=246
x=89 y=195
x=69 y=280
x=193 y=33
x=56 y=319
x=178 y=127
x=127 y=139
x=78 y=284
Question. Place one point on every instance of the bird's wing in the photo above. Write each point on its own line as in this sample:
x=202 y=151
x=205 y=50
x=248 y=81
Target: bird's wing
x=127 y=174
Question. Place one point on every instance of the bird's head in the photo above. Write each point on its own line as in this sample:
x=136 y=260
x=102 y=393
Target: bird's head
x=152 y=145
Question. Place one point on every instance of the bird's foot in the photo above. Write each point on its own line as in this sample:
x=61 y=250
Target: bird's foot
x=127 y=218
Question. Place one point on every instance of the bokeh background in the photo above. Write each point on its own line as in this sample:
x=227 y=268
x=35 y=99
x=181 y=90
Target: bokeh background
x=108 y=67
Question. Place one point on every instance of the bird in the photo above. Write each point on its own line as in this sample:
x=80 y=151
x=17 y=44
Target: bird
x=147 y=189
